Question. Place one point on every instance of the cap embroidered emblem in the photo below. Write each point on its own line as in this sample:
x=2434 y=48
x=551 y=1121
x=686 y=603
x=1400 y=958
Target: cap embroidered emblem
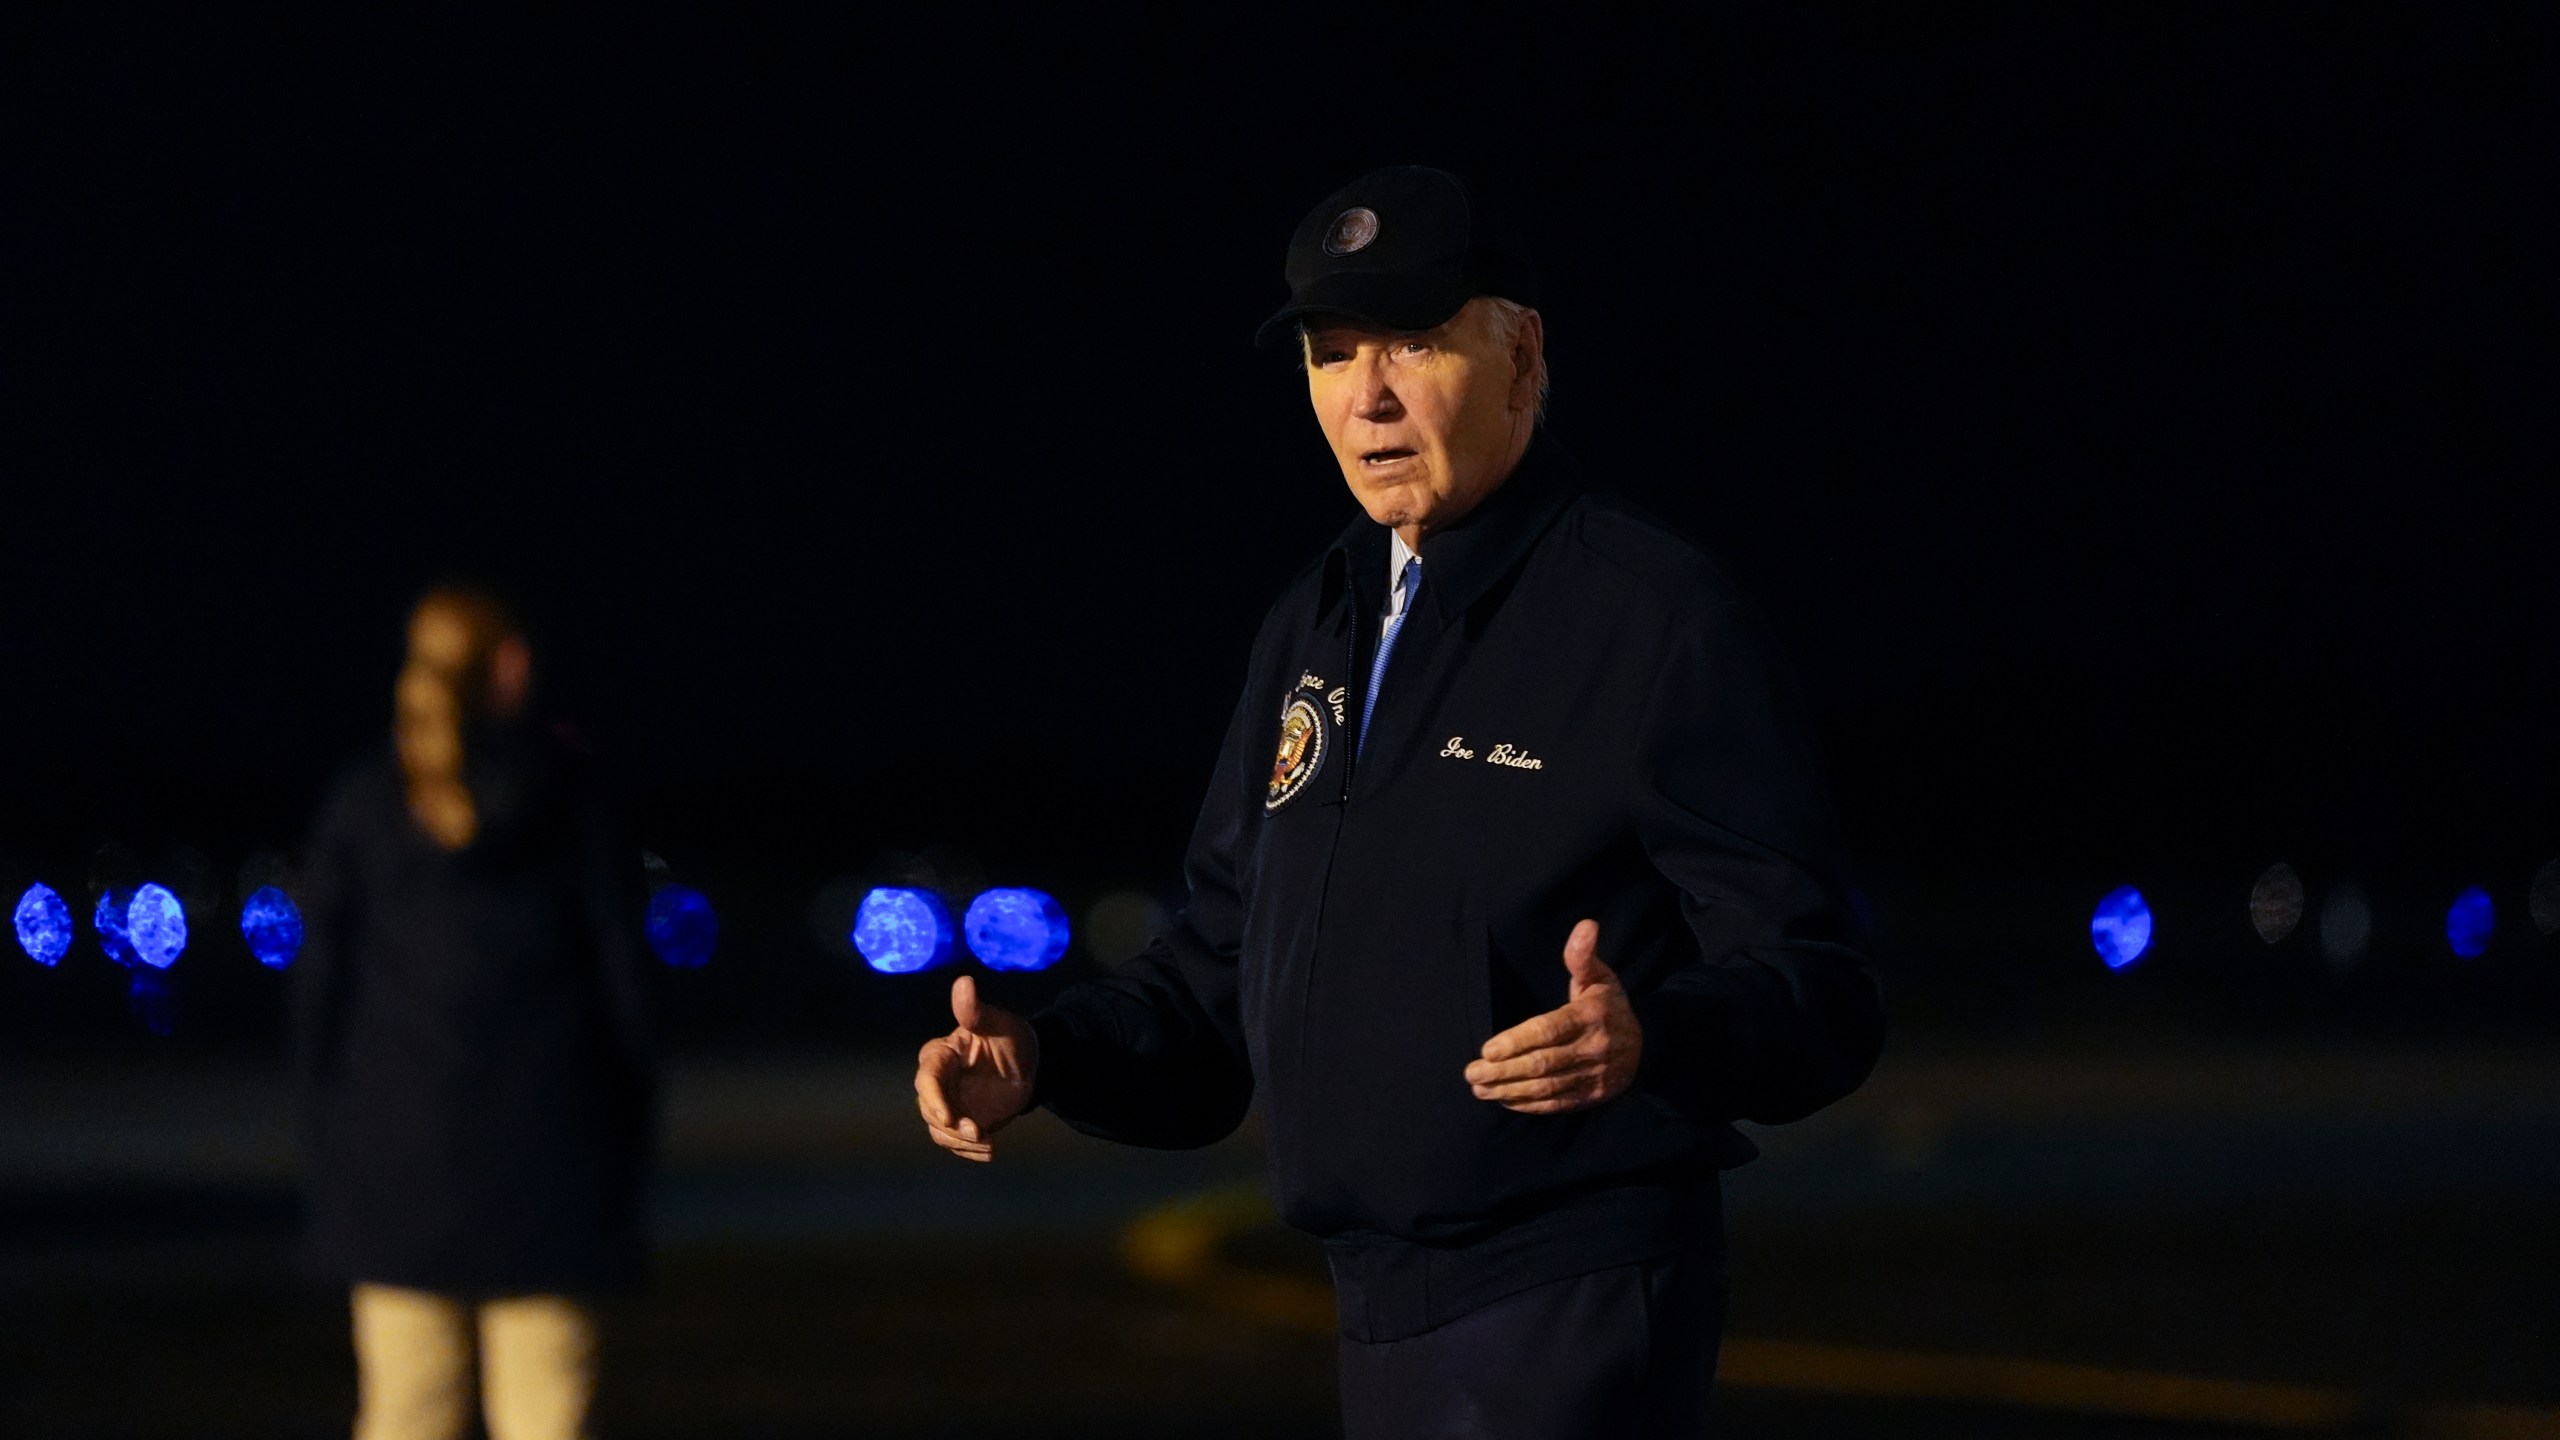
x=1301 y=752
x=1352 y=231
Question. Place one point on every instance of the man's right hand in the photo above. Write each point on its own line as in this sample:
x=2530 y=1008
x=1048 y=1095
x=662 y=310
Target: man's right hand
x=972 y=1081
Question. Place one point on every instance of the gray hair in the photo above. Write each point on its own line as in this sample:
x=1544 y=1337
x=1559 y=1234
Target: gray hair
x=1503 y=317
x=1506 y=317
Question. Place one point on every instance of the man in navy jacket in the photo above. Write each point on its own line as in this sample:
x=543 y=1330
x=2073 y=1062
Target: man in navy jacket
x=1513 y=888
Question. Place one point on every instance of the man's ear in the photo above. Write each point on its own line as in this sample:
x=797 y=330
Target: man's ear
x=1526 y=350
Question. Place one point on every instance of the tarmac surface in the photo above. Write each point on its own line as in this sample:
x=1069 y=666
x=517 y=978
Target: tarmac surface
x=2126 y=1237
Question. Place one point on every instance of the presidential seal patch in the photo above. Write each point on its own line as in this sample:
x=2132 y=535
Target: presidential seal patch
x=1352 y=231
x=1301 y=752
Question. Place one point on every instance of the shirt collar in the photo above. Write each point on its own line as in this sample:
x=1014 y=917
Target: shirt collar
x=1464 y=561
x=1397 y=554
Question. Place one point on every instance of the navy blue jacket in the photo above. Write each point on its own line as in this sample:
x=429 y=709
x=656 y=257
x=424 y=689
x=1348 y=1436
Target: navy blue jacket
x=470 y=1029
x=1580 y=719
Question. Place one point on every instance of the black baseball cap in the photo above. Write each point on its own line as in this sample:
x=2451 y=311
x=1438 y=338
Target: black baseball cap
x=1405 y=247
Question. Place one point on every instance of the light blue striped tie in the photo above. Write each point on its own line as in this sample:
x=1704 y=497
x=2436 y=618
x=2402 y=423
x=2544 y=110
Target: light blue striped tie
x=1412 y=583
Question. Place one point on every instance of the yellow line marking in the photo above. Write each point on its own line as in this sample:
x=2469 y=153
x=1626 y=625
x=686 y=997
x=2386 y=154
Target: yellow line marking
x=1177 y=1244
x=2035 y=1384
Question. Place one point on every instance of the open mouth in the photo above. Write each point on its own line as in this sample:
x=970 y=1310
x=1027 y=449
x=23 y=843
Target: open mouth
x=1385 y=457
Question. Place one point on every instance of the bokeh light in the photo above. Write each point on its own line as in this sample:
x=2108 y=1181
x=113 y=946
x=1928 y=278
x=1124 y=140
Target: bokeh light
x=2275 y=903
x=109 y=918
x=681 y=927
x=155 y=925
x=1119 y=925
x=2121 y=927
x=2544 y=903
x=272 y=924
x=1014 y=929
x=44 y=925
x=2346 y=926
x=901 y=930
x=2470 y=923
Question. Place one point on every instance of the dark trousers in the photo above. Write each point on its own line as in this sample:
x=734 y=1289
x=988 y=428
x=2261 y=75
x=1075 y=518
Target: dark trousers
x=1622 y=1354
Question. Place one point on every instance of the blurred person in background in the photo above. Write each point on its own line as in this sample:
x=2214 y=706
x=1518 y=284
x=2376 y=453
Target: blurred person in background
x=469 y=1023
x=1514 y=888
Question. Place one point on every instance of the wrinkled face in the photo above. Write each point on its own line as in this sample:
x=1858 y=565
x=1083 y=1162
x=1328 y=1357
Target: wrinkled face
x=1424 y=423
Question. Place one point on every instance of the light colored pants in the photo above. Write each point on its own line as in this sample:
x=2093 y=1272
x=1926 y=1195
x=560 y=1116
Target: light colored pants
x=414 y=1372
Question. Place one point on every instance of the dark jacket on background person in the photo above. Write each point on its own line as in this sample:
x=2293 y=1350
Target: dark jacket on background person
x=471 y=1034
x=1579 y=719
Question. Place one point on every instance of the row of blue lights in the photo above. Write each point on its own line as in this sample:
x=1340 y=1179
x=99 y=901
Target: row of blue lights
x=147 y=926
x=900 y=930
x=2120 y=927
x=897 y=929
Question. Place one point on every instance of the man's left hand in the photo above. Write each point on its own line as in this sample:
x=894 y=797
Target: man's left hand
x=1572 y=1057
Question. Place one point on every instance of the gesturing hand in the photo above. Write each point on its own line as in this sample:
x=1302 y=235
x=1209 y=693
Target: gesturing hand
x=1572 y=1057
x=972 y=1081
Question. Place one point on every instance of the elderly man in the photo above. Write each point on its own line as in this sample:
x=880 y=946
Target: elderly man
x=1512 y=890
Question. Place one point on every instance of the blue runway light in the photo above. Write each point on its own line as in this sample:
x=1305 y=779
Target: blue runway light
x=109 y=918
x=2121 y=928
x=2468 y=925
x=900 y=930
x=44 y=925
x=155 y=924
x=1016 y=929
x=272 y=924
x=681 y=927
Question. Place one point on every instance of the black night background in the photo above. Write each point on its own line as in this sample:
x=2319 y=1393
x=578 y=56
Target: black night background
x=2135 y=421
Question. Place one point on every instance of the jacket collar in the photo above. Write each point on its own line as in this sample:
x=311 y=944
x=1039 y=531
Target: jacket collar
x=1461 y=563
